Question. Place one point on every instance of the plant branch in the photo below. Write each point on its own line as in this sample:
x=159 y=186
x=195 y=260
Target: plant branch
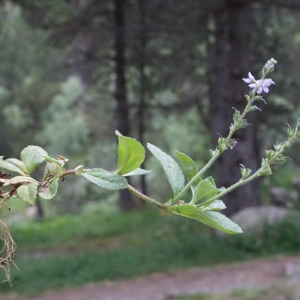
x=146 y=198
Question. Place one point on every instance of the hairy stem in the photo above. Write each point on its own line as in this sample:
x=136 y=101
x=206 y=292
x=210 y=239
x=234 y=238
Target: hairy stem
x=146 y=198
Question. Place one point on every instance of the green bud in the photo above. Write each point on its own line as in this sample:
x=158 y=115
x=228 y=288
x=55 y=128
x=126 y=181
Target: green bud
x=270 y=154
x=254 y=107
x=285 y=145
x=241 y=124
x=258 y=98
x=248 y=98
x=280 y=159
x=213 y=152
x=290 y=132
x=221 y=141
x=236 y=116
x=278 y=147
x=222 y=148
x=245 y=172
x=297 y=129
x=265 y=168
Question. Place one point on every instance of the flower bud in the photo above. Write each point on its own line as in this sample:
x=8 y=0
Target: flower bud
x=245 y=172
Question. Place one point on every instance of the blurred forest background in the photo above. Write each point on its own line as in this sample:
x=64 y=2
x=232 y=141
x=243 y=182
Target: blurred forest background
x=165 y=72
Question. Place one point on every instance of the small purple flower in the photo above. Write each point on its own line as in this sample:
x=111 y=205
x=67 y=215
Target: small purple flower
x=249 y=79
x=261 y=84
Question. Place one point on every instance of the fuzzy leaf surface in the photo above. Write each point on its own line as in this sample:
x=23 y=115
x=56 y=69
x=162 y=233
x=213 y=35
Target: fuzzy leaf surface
x=48 y=192
x=18 y=163
x=171 y=168
x=210 y=218
x=32 y=157
x=59 y=163
x=216 y=205
x=105 y=179
x=13 y=165
x=28 y=192
x=52 y=170
x=190 y=168
x=137 y=171
x=19 y=179
x=206 y=189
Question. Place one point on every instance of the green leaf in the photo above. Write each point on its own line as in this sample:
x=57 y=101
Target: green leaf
x=28 y=192
x=59 y=163
x=131 y=154
x=19 y=179
x=190 y=169
x=188 y=165
x=32 y=157
x=216 y=205
x=210 y=218
x=13 y=165
x=17 y=163
x=52 y=170
x=105 y=179
x=137 y=171
x=206 y=189
x=49 y=191
x=171 y=168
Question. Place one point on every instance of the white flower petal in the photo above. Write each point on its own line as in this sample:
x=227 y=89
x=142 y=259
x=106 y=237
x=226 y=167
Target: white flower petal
x=268 y=82
x=266 y=89
x=247 y=80
x=259 y=90
x=251 y=76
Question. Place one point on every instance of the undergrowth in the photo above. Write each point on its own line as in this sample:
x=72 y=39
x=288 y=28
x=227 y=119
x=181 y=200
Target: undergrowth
x=133 y=244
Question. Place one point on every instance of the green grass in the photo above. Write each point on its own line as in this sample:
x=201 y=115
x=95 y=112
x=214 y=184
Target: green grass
x=75 y=250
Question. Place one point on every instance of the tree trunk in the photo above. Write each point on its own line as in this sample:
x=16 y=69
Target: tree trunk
x=231 y=62
x=143 y=83
x=39 y=209
x=83 y=66
x=122 y=110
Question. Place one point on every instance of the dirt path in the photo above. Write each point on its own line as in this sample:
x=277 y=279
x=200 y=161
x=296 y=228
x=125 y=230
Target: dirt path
x=221 y=279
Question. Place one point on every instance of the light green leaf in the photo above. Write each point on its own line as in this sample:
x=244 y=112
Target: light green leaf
x=32 y=157
x=190 y=169
x=206 y=189
x=105 y=179
x=52 y=170
x=59 y=163
x=216 y=205
x=19 y=179
x=131 y=154
x=171 y=168
x=12 y=165
x=18 y=164
x=48 y=192
x=28 y=192
x=210 y=218
x=188 y=165
x=137 y=171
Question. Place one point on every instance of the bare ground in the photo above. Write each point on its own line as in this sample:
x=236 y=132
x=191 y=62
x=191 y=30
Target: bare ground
x=264 y=273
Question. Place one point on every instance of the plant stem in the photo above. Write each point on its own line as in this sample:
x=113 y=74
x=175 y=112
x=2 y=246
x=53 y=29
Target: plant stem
x=248 y=179
x=146 y=198
x=231 y=188
x=129 y=187
x=213 y=159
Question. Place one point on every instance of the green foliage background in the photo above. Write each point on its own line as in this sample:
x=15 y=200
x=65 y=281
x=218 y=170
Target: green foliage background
x=45 y=101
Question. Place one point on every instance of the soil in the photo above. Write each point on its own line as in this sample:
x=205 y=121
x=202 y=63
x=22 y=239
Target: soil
x=222 y=279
